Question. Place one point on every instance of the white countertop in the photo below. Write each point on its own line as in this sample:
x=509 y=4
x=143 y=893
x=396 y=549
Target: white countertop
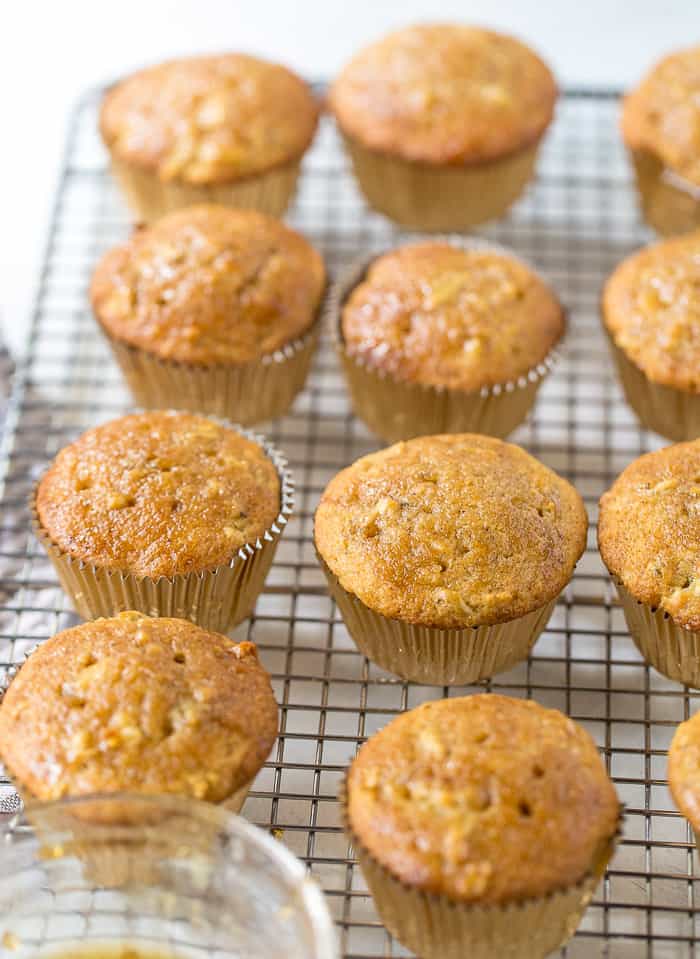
x=53 y=51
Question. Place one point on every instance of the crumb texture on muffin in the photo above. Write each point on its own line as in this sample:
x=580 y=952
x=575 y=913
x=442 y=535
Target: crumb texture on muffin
x=649 y=531
x=439 y=315
x=684 y=769
x=483 y=799
x=208 y=120
x=138 y=705
x=209 y=285
x=651 y=306
x=451 y=531
x=158 y=494
x=662 y=115
x=445 y=94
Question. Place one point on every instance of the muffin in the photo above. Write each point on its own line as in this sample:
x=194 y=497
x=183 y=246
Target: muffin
x=651 y=311
x=138 y=705
x=212 y=310
x=661 y=129
x=168 y=513
x=444 y=337
x=211 y=129
x=445 y=554
x=649 y=539
x=443 y=123
x=482 y=825
x=684 y=771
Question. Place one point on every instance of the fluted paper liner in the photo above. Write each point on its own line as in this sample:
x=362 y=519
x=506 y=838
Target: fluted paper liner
x=663 y=409
x=216 y=599
x=246 y=393
x=436 y=198
x=670 y=204
x=149 y=197
x=435 y=926
x=398 y=410
x=669 y=648
x=435 y=656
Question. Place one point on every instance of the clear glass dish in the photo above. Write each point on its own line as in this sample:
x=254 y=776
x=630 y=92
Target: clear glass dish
x=155 y=875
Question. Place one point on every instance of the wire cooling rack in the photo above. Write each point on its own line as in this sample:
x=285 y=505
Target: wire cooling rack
x=576 y=222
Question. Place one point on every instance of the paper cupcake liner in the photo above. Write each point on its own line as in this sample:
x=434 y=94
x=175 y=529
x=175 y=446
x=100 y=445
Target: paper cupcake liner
x=435 y=926
x=216 y=599
x=149 y=197
x=670 y=204
x=435 y=656
x=397 y=410
x=672 y=413
x=245 y=393
x=430 y=198
x=671 y=650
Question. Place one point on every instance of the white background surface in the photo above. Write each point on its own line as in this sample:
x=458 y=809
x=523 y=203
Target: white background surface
x=51 y=51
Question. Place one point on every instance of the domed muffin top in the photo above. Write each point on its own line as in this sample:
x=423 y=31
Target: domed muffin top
x=483 y=799
x=209 y=119
x=133 y=704
x=440 y=315
x=651 y=306
x=158 y=494
x=662 y=115
x=209 y=285
x=649 y=531
x=451 y=531
x=445 y=94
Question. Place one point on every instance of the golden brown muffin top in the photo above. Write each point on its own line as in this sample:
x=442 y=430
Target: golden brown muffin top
x=209 y=285
x=684 y=769
x=662 y=115
x=435 y=314
x=210 y=119
x=651 y=306
x=451 y=531
x=649 y=531
x=445 y=94
x=136 y=704
x=158 y=494
x=483 y=799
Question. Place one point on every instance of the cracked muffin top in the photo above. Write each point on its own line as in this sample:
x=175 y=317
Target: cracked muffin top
x=436 y=314
x=445 y=94
x=210 y=119
x=662 y=115
x=649 y=531
x=136 y=704
x=484 y=799
x=651 y=307
x=684 y=769
x=451 y=531
x=209 y=285
x=158 y=494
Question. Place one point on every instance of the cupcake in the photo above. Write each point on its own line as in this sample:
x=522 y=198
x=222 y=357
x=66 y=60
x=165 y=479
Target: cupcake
x=443 y=123
x=215 y=129
x=212 y=310
x=446 y=554
x=444 y=337
x=167 y=513
x=684 y=771
x=482 y=826
x=649 y=539
x=661 y=129
x=138 y=705
x=651 y=311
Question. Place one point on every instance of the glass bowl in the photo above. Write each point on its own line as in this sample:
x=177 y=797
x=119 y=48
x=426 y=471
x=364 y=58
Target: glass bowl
x=132 y=875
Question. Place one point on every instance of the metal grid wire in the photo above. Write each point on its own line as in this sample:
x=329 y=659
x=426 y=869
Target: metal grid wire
x=575 y=224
